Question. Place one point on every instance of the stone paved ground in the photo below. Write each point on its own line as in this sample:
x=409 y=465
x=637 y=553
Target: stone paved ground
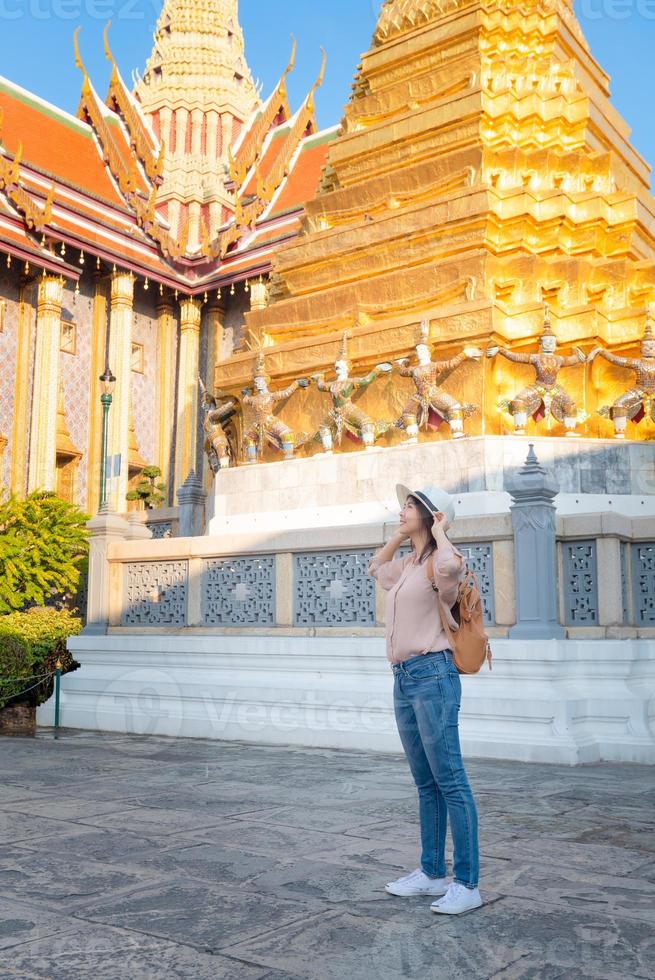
x=135 y=857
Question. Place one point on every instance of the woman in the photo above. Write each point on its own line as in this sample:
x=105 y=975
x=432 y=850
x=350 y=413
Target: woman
x=427 y=694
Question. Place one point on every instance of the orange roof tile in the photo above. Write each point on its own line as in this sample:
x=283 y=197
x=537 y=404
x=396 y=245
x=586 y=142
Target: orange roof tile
x=270 y=155
x=302 y=183
x=54 y=142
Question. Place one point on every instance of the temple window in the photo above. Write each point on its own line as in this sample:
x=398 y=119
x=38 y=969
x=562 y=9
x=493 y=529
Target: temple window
x=68 y=337
x=137 y=358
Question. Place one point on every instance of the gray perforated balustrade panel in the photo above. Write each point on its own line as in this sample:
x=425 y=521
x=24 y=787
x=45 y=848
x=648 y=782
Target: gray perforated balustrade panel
x=238 y=591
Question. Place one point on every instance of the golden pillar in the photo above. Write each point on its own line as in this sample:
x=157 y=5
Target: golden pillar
x=258 y=294
x=43 y=438
x=215 y=314
x=258 y=301
x=165 y=118
x=215 y=318
x=98 y=341
x=166 y=329
x=121 y=315
x=187 y=389
x=181 y=121
x=21 y=390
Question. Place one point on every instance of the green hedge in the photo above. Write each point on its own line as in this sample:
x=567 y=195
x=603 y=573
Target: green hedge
x=30 y=643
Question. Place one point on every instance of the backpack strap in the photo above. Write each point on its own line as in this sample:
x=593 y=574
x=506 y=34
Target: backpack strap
x=444 y=621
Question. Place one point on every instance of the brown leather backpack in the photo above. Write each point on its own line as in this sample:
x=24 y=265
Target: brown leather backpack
x=470 y=644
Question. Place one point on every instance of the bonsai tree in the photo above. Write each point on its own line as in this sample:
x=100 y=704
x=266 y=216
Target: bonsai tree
x=43 y=551
x=148 y=490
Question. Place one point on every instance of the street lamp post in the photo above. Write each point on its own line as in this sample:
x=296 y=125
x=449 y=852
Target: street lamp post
x=107 y=381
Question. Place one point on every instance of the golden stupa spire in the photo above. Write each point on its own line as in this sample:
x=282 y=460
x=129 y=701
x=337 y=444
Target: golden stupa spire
x=198 y=93
x=198 y=59
x=399 y=16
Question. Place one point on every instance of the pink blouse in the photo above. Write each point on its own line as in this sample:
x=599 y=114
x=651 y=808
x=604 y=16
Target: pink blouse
x=413 y=624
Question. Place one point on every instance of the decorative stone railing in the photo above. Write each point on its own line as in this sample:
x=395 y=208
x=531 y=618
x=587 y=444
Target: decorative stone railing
x=606 y=570
x=162 y=522
x=604 y=584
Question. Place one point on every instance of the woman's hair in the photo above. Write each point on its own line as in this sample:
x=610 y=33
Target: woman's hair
x=427 y=520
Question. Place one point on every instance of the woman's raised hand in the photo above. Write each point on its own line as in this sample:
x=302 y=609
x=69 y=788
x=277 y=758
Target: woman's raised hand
x=440 y=522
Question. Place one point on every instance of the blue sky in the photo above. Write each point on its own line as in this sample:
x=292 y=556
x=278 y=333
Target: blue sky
x=36 y=48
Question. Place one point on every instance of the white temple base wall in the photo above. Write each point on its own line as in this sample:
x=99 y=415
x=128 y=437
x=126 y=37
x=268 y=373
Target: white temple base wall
x=358 y=487
x=559 y=701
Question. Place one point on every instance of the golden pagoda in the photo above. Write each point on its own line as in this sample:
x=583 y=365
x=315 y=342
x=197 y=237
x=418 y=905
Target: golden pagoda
x=480 y=171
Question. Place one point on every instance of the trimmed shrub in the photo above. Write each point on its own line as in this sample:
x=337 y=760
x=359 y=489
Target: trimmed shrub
x=30 y=643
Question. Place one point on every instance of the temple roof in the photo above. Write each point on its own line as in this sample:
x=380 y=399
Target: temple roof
x=198 y=60
x=93 y=182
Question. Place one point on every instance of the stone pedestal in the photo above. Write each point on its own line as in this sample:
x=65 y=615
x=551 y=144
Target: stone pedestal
x=535 y=561
x=191 y=498
x=104 y=529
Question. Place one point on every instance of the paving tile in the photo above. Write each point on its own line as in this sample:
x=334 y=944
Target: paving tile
x=506 y=938
x=199 y=913
x=263 y=838
x=167 y=821
x=609 y=895
x=78 y=950
x=55 y=877
x=24 y=923
x=599 y=858
x=124 y=856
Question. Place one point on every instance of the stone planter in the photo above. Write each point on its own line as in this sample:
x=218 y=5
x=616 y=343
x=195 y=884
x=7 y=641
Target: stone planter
x=18 y=719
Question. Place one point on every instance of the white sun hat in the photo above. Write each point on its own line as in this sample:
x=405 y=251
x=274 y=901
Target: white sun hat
x=432 y=496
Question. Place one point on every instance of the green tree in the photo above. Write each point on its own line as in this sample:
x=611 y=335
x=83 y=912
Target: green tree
x=43 y=551
x=148 y=490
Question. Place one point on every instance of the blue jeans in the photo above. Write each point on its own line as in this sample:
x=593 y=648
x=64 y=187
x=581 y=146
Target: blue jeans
x=426 y=697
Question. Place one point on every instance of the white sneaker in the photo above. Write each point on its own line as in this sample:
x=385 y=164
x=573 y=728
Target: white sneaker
x=458 y=899
x=417 y=883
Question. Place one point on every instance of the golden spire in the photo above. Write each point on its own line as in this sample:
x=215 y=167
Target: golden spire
x=197 y=93
x=401 y=16
x=198 y=60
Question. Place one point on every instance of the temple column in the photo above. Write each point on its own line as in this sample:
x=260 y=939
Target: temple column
x=165 y=127
x=98 y=341
x=197 y=116
x=121 y=316
x=182 y=117
x=166 y=330
x=227 y=128
x=215 y=217
x=258 y=301
x=212 y=149
x=214 y=323
x=186 y=439
x=43 y=441
x=20 y=426
x=258 y=295
x=215 y=315
x=194 y=223
x=174 y=215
